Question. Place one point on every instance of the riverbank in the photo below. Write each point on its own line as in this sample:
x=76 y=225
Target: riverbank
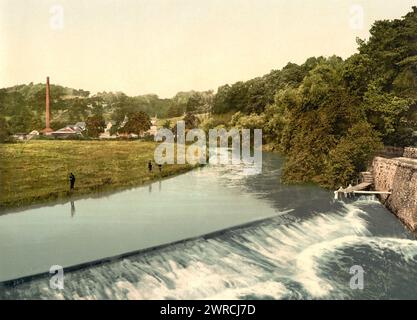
x=37 y=171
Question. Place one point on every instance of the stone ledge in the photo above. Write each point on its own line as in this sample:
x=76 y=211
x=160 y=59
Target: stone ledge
x=399 y=162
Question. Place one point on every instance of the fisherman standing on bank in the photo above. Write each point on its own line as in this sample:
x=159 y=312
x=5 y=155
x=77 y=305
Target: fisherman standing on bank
x=150 y=166
x=72 y=181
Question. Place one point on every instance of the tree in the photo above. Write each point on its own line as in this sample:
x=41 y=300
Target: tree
x=77 y=111
x=121 y=106
x=221 y=103
x=194 y=102
x=357 y=73
x=315 y=116
x=191 y=121
x=137 y=123
x=351 y=155
x=252 y=121
x=24 y=121
x=95 y=125
x=391 y=48
x=389 y=115
x=175 y=111
x=97 y=107
x=4 y=130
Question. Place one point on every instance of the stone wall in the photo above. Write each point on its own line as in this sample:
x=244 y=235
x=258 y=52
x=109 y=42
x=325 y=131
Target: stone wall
x=391 y=152
x=410 y=153
x=399 y=176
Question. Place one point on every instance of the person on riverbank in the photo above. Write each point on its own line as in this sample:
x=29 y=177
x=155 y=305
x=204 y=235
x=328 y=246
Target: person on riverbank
x=150 y=166
x=72 y=181
x=160 y=168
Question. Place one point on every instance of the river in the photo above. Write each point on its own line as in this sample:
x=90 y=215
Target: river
x=247 y=236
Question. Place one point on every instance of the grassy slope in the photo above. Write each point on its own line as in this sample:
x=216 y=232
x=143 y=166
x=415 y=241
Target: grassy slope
x=37 y=171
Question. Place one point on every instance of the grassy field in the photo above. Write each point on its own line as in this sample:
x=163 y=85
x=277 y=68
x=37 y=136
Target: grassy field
x=37 y=171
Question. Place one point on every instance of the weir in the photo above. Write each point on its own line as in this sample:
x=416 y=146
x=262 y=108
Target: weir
x=92 y=230
x=393 y=178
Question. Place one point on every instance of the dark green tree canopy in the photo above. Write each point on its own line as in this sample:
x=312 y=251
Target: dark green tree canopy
x=137 y=123
x=95 y=125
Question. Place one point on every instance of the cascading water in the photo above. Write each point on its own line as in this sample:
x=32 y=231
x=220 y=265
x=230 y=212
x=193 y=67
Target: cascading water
x=305 y=252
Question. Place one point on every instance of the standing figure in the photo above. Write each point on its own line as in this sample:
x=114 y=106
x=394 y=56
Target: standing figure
x=72 y=181
x=160 y=168
x=150 y=166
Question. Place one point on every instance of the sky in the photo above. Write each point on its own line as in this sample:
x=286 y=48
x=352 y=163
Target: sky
x=167 y=46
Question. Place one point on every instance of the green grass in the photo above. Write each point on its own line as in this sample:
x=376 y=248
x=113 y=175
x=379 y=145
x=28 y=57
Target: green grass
x=37 y=171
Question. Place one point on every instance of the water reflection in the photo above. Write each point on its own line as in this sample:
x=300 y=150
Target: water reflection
x=159 y=186
x=72 y=209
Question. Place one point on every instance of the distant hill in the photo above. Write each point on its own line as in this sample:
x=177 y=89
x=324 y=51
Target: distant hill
x=23 y=106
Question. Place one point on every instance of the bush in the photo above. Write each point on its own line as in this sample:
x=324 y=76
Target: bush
x=352 y=155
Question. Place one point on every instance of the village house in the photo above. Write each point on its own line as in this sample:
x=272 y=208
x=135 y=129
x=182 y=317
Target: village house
x=154 y=128
x=107 y=131
x=26 y=136
x=34 y=133
x=20 y=136
x=70 y=131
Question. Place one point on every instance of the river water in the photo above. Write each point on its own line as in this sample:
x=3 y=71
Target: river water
x=249 y=237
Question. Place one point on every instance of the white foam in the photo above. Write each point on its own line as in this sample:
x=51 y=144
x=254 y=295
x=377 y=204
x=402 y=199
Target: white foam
x=254 y=261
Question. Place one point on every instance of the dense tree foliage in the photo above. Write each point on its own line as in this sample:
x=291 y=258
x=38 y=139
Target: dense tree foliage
x=329 y=116
x=193 y=101
x=254 y=95
x=23 y=106
x=137 y=122
x=4 y=130
x=191 y=121
x=95 y=125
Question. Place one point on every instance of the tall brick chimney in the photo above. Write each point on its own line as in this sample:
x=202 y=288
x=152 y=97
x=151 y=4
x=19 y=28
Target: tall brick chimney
x=48 y=129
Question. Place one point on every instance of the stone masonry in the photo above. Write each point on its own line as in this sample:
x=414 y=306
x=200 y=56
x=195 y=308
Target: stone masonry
x=399 y=175
x=410 y=153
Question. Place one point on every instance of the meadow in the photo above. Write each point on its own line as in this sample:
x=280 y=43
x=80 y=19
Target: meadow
x=37 y=171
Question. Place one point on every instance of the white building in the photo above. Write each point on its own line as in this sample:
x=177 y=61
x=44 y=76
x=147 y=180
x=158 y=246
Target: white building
x=107 y=131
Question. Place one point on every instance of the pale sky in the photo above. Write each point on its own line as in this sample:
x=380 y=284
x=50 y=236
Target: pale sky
x=166 y=46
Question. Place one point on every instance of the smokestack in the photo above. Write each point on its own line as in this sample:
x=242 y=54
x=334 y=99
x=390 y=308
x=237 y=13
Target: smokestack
x=48 y=129
x=47 y=104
